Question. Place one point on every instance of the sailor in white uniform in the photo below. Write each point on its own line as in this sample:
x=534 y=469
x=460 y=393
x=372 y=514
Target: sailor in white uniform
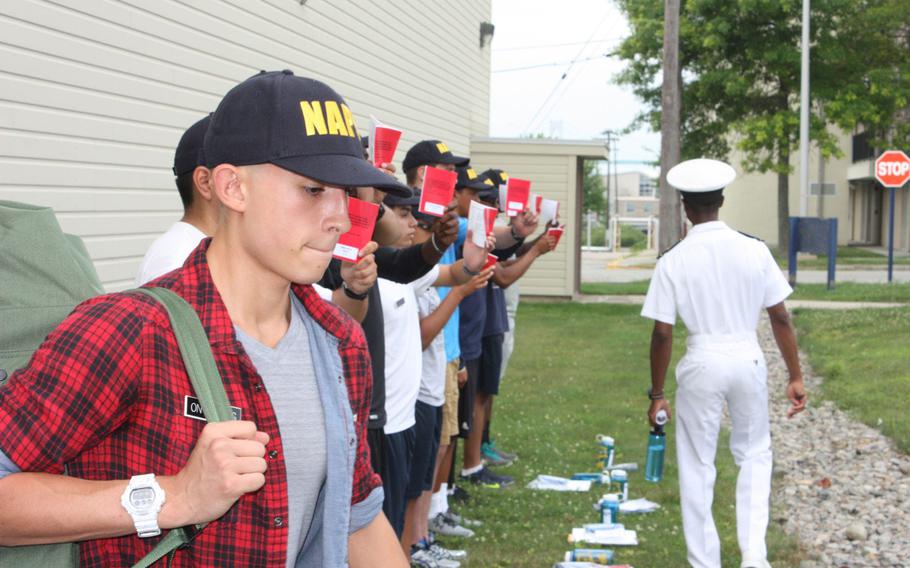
x=717 y=281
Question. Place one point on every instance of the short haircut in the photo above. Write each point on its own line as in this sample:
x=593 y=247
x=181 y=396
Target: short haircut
x=411 y=176
x=185 y=187
x=702 y=206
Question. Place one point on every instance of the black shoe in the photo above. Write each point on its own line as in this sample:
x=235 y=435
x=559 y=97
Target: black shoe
x=486 y=478
x=459 y=494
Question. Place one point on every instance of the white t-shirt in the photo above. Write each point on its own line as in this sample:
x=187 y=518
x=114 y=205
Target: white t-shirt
x=433 y=379
x=718 y=280
x=169 y=251
x=403 y=359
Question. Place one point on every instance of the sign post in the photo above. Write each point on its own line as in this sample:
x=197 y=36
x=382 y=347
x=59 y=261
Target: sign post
x=892 y=170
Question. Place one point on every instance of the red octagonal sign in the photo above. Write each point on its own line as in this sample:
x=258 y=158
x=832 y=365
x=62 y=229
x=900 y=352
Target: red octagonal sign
x=892 y=169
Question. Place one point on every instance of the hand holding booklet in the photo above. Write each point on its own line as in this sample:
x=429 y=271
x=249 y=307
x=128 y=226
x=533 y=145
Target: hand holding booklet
x=363 y=219
x=437 y=191
x=480 y=222
x=383 y=143
x=556 y=233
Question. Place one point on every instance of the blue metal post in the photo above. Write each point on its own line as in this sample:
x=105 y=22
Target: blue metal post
x=890 y=233
x=832 y=251
x=791 y=252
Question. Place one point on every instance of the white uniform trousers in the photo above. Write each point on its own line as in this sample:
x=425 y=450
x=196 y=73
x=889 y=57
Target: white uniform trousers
x=714 y=370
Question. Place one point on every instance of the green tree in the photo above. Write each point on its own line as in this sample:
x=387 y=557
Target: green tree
x=593 y=188
x=740 y=65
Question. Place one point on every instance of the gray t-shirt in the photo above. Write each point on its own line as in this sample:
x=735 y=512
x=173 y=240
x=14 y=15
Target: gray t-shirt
x=289 y=378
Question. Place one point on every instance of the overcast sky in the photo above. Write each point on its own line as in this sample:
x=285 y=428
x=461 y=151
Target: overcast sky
x=534 y=45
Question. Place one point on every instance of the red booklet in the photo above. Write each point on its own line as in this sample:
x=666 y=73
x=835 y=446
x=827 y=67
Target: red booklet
x=437 y=191
x=517 y=193
x=491 y=260
x=556 y=232
x=535 y=202
x=363 y=218
x=480 y=222
x=383 y=143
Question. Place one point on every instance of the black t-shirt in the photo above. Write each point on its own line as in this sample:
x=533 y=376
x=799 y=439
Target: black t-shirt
x=398 y=265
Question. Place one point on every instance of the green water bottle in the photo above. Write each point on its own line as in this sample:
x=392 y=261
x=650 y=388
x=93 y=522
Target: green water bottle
x=657 y=446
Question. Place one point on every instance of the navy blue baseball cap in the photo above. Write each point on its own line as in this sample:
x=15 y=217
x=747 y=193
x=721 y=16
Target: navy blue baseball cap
x=189 y=153
x=430 y=152
x=411 y=200
x=468 y=178
x=296 y=123
x=497 y=177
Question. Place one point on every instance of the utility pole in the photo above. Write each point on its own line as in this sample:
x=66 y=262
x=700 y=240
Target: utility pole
x=804 y=117
x=671 y=104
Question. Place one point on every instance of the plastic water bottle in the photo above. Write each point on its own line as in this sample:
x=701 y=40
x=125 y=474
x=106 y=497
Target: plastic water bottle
x=621 y=479
x=657 y=445
x=609 y=508
x=595 y=555
x=607 y=449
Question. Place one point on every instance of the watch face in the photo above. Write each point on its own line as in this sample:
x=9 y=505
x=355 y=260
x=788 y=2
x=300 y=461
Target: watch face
x=142 y=498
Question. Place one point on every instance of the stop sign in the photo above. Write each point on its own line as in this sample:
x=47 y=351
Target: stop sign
x=892 y=168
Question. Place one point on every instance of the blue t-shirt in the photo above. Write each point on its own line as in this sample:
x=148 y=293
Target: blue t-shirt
x=497 y=317
x=450 y=331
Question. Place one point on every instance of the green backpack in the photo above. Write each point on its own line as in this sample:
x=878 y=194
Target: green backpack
x=44 y=274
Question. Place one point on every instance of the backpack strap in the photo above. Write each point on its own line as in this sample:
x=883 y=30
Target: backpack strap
x=203 y=373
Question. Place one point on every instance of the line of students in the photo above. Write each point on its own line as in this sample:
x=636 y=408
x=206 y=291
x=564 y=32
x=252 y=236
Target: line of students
x=264 y=181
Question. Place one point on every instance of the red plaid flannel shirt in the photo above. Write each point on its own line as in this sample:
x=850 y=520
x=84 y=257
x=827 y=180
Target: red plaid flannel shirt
x=104 y=396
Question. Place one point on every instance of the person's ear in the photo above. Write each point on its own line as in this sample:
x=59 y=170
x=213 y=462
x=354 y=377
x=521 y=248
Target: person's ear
x=227 y=182
x=202 y=182
x=421 y=170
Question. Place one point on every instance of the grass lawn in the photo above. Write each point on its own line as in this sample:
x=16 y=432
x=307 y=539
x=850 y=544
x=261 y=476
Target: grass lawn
x=864 y=358
x=844 y=292
x=579 y=370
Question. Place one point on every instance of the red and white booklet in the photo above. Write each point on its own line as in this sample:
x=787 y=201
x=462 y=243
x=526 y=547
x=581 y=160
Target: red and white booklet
x=534 y=203
x=491 y=260
x=383 y=143
x=363 y=219
x=437 y=191
x=480 y=222
x=549 y=210
x=557 y=233
x=517 y=193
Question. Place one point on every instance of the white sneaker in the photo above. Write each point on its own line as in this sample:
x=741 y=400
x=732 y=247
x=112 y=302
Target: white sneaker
x=446 y=553
x=421 y=558
x=445 y=527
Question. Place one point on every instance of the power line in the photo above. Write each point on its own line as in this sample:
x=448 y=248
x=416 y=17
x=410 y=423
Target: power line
x=554 y=64
x=545 y=46
x=569 y=68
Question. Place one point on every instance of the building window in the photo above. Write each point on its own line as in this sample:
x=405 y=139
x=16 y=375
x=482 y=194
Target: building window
x=861 y=148
x=646 y=188
x=630 y=208
x=827 y=188
x=646 y=209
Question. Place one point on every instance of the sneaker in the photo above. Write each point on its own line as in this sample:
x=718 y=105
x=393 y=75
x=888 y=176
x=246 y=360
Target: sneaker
x=502 y=453
x=490 y=480
x=454 y=517
x=421 y=558
x=490 y=457
x=459 y=494
x=440 y=525
x=441 y=553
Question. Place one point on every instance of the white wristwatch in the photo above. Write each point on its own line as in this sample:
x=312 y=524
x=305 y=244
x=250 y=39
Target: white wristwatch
x=143 y=499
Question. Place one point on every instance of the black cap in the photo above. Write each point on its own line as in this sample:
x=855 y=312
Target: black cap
x=468 y=178
x=497 y=177
x=189 y=153
x=296 y=123
x=430 y=152
x=412 y=200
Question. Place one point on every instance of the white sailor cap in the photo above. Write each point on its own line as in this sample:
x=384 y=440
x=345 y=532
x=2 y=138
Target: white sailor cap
x=701 y=175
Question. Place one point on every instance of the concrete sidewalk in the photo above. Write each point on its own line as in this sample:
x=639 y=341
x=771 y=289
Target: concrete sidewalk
x=597 y=266
x=634 y=300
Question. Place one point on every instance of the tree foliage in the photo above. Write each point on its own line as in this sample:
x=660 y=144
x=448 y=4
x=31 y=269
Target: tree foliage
x=740 y=66
x=593 y=187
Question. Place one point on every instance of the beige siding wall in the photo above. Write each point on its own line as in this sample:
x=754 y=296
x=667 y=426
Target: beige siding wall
x=94 y=94
x=552 y=168
x=750 y=204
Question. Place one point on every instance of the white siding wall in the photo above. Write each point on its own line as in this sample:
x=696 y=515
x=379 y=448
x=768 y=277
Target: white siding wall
x=94 y=94
x=552 y=168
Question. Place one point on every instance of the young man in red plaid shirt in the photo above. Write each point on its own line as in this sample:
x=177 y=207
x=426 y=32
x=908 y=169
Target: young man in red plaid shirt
x=106 y=397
